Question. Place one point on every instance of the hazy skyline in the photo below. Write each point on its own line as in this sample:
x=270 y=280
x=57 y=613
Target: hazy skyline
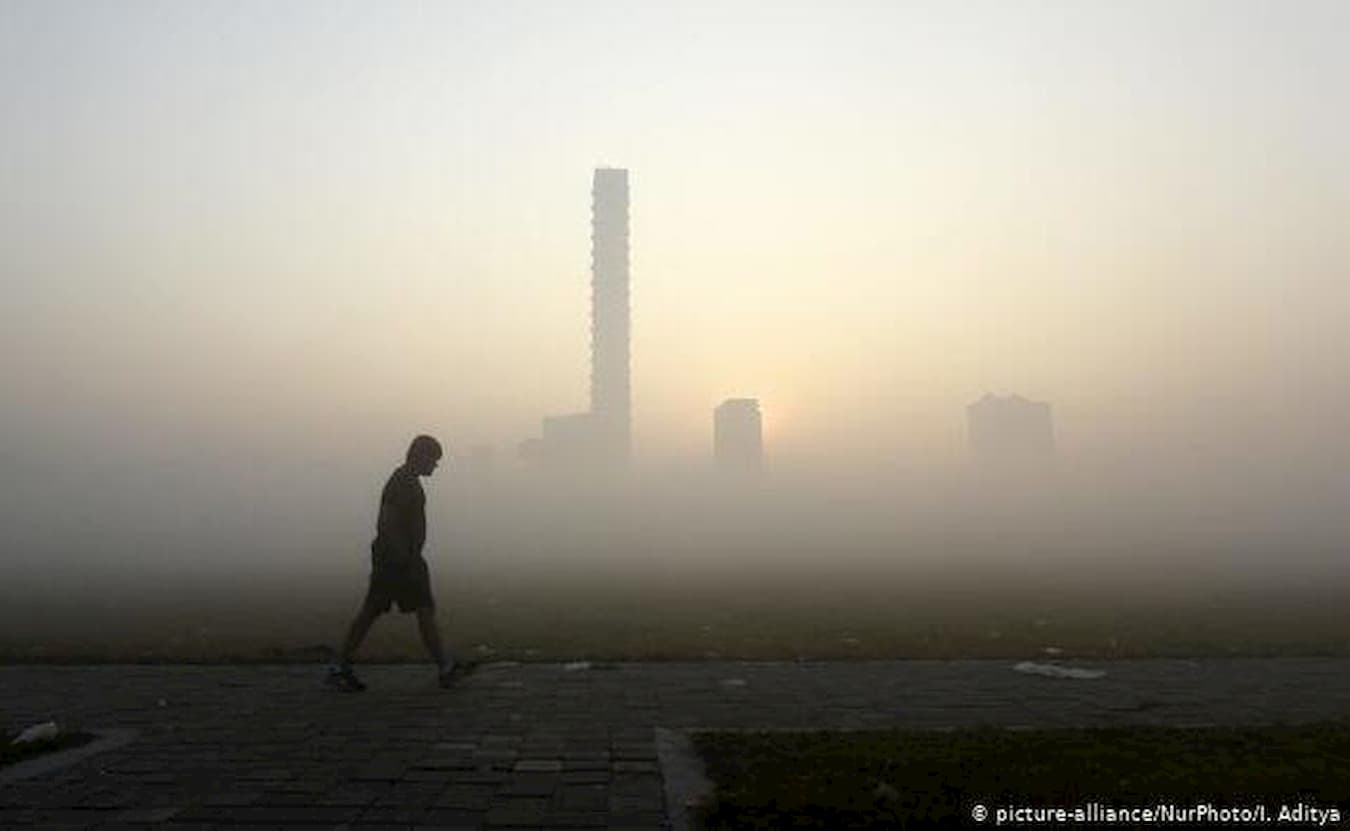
x=905 y=207
x=285 y=238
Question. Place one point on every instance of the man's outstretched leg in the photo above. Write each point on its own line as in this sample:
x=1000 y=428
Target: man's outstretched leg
x=340 y=674
x=431 y=638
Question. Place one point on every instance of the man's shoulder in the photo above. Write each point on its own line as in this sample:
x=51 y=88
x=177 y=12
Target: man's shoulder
x=401 y=483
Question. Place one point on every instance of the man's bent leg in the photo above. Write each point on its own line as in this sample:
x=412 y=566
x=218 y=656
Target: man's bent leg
x=431 y=635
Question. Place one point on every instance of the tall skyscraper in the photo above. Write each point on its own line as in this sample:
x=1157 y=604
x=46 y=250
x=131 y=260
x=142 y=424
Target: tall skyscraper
x=611 y=398
x=601 y=436
x=738 y=442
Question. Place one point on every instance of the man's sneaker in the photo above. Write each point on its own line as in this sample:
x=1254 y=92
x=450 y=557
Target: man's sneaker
x=342 y=678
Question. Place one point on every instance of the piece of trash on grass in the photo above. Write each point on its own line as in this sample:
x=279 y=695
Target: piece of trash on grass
x=1052 y=650
x=575 y=666
x=1056 y=671
x=38 y=733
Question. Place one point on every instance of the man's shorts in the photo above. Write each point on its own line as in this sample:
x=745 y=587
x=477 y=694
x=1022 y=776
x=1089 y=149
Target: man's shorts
x=407 y=584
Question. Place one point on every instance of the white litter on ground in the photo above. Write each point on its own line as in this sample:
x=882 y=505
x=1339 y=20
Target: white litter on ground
x=576 y=666
x=1056 y=671
x=38 y=733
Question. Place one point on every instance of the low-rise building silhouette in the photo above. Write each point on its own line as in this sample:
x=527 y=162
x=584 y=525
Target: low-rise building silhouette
x=738 y=441
x=572 y=439
x=481 y=462
x=1010 y=430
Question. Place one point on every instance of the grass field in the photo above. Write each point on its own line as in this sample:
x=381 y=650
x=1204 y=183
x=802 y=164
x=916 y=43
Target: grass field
x=899 y=779
x=666 y=611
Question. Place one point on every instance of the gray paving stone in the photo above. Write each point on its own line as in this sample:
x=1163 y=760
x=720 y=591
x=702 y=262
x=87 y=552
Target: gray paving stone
x=416 y=793
x=147 y=815
x=517 y=811
x=427 y=775
x=469 y=797
x=478 y=776
x=578 y=819
x=452 y=818
x=635 y=821
x=348 y=796
x=537 y=747
x=392 y=814
x=584 y=777
x=532 y=784
x=627 y=766
x=583 y=797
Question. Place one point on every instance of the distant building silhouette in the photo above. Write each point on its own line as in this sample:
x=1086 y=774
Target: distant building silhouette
x=738 y=441
x=602 y=436
x=481 y=462
x=531 y=450
x=610 y=387
x=571 y=439
x=1010 y=429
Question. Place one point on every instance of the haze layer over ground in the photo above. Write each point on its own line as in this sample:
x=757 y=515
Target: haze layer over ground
x=701 y=566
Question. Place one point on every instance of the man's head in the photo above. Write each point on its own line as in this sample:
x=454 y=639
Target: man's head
x=423 y=455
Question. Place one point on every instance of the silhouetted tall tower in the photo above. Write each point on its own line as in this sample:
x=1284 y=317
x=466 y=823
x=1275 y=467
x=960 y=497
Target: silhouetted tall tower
x=738 y=442
x=610 y=392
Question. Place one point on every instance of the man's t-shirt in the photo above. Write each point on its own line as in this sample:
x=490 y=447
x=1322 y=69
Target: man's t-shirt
x=402 y=527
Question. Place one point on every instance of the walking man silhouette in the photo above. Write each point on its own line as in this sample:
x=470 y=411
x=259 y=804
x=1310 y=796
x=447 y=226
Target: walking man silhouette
x=398 y=573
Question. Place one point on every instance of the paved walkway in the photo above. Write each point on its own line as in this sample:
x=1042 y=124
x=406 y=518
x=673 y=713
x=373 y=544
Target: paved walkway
x=539 y=745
